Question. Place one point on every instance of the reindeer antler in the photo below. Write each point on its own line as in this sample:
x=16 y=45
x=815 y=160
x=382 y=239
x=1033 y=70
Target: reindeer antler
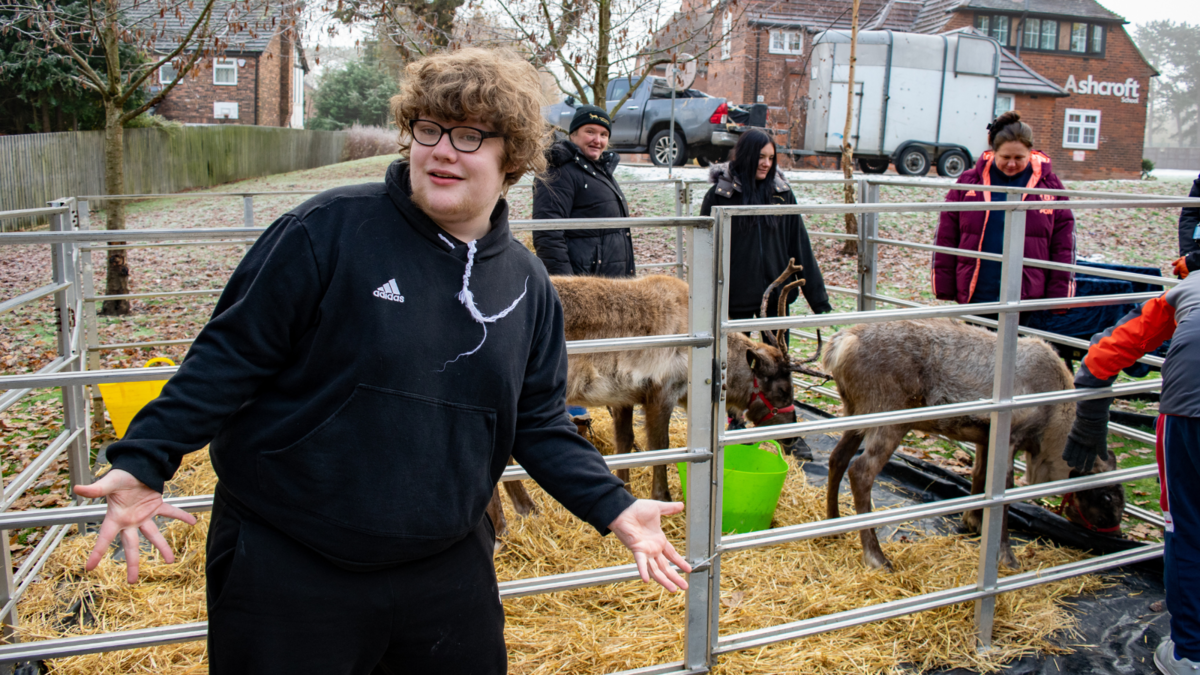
x=792 y=268
x=799 y=367
x=783 y=294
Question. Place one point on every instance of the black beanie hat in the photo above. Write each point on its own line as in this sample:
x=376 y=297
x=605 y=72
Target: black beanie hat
x=590 y=114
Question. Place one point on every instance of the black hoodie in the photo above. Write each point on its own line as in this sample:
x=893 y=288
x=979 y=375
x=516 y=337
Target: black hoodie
x=760 y=247
x=577 y=187
x=337 y=386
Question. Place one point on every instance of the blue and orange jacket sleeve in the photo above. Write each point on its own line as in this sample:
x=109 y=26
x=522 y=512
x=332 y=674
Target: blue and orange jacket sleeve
x=1137 y=333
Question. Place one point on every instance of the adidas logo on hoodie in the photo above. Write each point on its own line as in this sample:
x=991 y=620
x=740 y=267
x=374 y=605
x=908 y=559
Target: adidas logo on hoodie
x=389 y=291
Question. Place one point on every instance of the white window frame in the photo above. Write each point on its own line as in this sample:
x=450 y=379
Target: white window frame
x=163 y=78
x=1011 y=104
x=785 y=38
x=1031 y=33
x=1052 y=35
x=1078 y=40
x=726 y=39
x=1002 y=29
x=1082 y=126
x=225 y=64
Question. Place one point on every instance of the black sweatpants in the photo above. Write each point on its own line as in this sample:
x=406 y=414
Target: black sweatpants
x=276 y=606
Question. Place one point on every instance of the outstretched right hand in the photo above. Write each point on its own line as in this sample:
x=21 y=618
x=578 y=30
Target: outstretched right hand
x=131 y=507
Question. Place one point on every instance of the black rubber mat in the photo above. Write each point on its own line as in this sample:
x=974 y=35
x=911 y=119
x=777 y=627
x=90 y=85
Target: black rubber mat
x=1118 y=627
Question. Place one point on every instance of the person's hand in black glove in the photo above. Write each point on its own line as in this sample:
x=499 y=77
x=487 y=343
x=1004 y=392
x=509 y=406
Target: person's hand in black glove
x=1088 y=439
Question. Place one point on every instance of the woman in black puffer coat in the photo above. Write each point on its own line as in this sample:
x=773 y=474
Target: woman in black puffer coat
x=760 y=246
x=577 y=187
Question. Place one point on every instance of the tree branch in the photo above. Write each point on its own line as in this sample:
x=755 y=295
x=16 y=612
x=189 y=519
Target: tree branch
x=205 y=15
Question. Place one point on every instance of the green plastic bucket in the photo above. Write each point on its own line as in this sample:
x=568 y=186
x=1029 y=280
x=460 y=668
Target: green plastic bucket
x=753 y=483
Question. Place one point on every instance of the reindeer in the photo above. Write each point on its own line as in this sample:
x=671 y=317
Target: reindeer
x=912 y=364
x=759 y=384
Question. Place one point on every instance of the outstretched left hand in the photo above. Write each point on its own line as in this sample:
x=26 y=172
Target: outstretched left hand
x=638 y=528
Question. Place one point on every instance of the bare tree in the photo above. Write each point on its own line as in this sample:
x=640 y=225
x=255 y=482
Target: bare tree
x=583 y=44
x=413 y=28
x=176 y=35
x=851 y=245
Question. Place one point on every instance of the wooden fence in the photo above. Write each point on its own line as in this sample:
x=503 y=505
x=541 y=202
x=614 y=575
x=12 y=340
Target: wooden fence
x=35 y=168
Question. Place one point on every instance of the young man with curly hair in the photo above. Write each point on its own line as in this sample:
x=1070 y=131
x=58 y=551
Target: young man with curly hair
x=371 y=366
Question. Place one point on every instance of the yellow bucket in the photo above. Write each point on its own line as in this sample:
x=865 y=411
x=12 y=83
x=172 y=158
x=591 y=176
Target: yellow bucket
x=125 y=399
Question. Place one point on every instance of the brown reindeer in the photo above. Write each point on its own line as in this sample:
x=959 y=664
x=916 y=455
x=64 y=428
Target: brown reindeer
x=759 y=376
x=898 y=365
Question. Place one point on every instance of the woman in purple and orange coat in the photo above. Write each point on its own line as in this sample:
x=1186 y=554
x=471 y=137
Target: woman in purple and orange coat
x=1049 y=232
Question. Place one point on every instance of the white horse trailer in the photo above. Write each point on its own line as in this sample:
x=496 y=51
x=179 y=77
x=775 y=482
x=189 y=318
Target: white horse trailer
x=920 y=100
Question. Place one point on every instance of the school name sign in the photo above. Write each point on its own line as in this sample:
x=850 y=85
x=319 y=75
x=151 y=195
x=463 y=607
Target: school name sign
x=1127 y=91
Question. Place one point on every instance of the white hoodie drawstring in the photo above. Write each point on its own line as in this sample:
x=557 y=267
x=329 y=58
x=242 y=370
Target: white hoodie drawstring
x=468 y=300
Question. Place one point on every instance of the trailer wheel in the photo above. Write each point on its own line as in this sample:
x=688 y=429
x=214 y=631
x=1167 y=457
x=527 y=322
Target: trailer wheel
x=660 y=149
x=873 y=164
x=952 y=164
x=914 y=161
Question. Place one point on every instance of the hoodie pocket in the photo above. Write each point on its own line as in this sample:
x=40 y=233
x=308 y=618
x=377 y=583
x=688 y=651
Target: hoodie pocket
x=390 y=463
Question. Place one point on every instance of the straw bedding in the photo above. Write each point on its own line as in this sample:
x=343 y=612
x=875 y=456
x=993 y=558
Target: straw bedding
x=617 y=626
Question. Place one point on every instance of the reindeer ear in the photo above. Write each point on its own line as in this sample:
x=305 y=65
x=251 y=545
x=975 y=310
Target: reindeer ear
x=755 y=361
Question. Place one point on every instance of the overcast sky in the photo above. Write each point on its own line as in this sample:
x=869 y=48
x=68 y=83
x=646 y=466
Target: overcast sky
x=1144 y=11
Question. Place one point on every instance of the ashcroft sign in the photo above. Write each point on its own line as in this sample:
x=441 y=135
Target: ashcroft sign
x=1127 y=90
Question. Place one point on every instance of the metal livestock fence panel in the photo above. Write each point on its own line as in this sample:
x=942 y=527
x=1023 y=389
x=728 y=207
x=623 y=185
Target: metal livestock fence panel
x=707 y=267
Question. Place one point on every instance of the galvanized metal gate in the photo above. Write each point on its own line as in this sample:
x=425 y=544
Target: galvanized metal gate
x=704 y=260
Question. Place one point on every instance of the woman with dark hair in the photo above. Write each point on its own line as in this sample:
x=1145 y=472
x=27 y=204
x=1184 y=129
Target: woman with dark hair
x=760 y=246
x=1049 y=232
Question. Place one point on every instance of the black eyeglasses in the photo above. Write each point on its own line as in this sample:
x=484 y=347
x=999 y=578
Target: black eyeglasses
x=464 y=139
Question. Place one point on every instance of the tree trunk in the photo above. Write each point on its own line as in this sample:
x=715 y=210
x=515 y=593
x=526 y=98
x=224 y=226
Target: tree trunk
x=851 y=245
x=45 y=115
x=117 y=282
x=600 y=80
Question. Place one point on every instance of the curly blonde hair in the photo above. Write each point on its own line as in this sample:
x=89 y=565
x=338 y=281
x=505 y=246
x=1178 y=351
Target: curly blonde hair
x=495 y=86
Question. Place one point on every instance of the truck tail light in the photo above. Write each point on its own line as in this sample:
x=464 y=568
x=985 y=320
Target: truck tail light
x=718 y=116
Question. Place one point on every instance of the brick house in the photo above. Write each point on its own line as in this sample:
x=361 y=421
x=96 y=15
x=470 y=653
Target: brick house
x=1096 y=127
x=258 y=79
x=1068 y=65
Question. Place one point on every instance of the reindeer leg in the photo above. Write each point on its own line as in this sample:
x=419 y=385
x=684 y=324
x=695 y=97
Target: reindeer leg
x=838 y=461
x=1007 y=557
x=623 y=430
x=522 y=503
x=881 y=443
x=658 y=437
x=495 y=511
x=973 y=519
